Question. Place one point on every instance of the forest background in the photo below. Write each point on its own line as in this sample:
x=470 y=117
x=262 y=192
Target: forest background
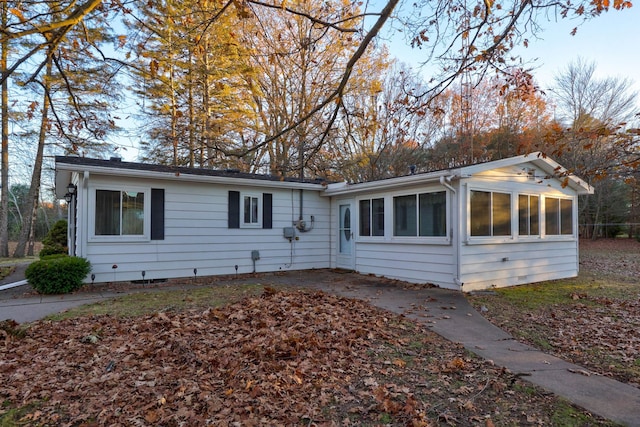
x=304 y=88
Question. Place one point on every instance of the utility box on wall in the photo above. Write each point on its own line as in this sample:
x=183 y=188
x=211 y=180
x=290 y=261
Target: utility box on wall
x=289 y=233
x=255 y=255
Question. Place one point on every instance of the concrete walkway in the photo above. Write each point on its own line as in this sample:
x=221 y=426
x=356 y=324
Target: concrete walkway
x=447 y=313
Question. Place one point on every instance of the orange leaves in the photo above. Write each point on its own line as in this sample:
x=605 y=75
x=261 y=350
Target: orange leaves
x=286 y=358
x=617 y=4
x=17 y=13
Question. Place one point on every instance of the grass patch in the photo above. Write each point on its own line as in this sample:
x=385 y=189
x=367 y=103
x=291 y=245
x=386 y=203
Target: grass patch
x=588 y=320
x=154 y=300
x=565 y=291
x=14 y=417
x=567 y=415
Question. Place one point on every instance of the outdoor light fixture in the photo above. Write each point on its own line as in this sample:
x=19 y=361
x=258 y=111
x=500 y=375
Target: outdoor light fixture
x=68 y=197
x=71 y=189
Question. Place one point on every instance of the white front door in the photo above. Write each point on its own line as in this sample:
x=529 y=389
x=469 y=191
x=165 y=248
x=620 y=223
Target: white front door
x=345 y=236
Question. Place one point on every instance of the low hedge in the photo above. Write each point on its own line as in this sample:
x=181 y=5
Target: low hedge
x=57 y=274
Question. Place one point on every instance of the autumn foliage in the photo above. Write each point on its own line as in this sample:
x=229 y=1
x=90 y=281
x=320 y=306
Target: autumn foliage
x=286 y=358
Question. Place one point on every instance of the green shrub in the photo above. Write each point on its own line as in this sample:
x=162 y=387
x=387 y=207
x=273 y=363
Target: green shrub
x=55 y=242
x=57 y=274
x=47 y=251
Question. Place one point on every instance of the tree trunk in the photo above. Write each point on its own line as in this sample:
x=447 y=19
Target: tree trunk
x=4 y=173
x=28 y=220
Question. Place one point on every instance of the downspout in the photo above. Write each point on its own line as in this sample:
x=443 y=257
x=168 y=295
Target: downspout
x=455 y=241
x=82 y=227
x=301 y=205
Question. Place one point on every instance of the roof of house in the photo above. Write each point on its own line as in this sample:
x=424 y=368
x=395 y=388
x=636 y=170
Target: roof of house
x=552 y=169
x=65 y=165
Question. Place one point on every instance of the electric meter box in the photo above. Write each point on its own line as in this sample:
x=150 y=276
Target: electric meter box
x=289 y=232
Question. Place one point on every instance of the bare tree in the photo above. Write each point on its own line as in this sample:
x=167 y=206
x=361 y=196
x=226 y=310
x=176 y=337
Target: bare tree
x=594 y=140
x=581 y=96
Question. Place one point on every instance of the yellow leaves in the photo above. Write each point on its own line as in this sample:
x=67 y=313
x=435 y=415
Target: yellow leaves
x=17 y=13
x=154 y=66
x=122 y=40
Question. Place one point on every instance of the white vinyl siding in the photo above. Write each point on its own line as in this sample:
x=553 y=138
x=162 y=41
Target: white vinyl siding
x=499 y=265
x=197 y=236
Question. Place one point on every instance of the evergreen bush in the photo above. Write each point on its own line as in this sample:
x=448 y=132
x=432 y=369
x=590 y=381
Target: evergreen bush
x=55 y=242
x=57 y=274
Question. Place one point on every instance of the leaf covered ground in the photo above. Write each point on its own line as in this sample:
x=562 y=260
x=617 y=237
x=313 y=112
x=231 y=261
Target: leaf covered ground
x=283 y=358
x=592 y=320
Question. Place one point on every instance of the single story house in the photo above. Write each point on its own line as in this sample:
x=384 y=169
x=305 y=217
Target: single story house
x=494 y=224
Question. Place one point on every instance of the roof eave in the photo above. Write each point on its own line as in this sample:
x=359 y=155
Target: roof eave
x=344 y=188
x=64 y=170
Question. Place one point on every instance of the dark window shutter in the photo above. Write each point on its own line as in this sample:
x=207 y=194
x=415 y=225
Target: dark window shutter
x=157 y=214
x=234 y=209
x=267 y=210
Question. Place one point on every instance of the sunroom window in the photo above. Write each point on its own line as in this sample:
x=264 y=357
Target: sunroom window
x=422 y=214
x=558 y=216
x=119 y=213
x=490 y=213
x=528 y=215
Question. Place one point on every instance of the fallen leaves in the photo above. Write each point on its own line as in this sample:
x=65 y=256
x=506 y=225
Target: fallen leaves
x=285 y=358
x=596 y=328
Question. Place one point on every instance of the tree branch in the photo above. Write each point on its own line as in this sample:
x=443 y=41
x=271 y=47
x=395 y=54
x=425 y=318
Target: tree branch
x=312 y=18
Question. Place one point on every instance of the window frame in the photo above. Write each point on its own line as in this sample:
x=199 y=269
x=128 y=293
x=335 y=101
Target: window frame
x=373 y=231
x=560 y=218
x=516 y=237
x=413 y=238
x=529 y=234
x=259 y=202
x=492 y=226
x=146 y=216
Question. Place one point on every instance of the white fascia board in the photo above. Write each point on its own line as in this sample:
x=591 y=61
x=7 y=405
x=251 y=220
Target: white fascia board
x=549 y=166
x=343 y=188
x=133 y=173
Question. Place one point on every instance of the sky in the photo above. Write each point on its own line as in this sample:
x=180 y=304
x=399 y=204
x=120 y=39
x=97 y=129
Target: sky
x=611 y=41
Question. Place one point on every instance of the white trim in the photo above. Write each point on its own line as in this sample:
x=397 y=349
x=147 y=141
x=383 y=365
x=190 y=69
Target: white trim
x=260 y=201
